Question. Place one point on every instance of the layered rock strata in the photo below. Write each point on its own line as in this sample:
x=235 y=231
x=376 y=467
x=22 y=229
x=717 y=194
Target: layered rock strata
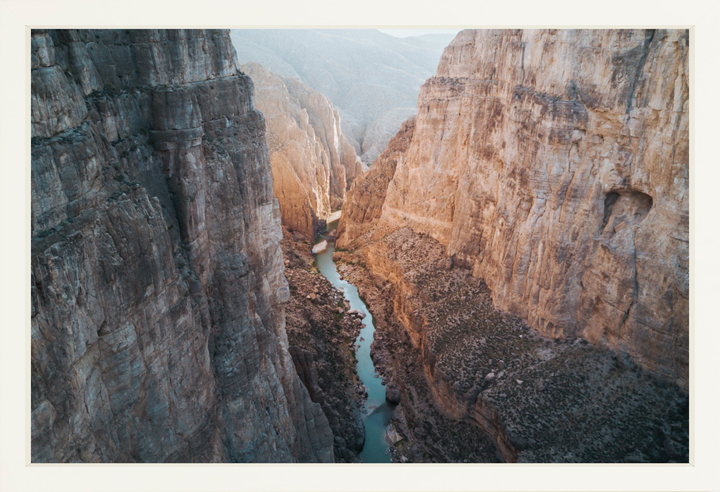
x=158 y=325
x=554 y=165
x=312 y=162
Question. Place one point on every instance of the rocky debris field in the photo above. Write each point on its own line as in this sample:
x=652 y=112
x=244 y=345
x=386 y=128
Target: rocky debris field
x=462 y=365
x=321 y=334
x=424 y=433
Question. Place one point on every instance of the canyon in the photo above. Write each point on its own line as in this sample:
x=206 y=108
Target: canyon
x=372 y=78
x=508 y=281
x=538 y=202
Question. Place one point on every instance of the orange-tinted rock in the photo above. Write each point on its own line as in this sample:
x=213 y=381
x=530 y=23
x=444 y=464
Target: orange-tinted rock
x=554 y=164
x=367 y=195
x=312 y=162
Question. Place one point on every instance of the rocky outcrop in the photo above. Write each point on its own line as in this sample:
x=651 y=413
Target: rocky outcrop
x=372 y=78
x=312 y=162
x=463 y=368
x=158 y=326
x=367 y=195
x=554 y=165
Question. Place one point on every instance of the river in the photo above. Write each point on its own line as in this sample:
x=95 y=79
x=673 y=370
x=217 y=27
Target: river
x=377 y=412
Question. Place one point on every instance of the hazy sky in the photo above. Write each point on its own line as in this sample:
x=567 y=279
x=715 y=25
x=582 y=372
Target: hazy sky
x=403 y=33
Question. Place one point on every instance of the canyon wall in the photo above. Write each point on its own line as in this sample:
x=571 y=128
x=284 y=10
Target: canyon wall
x=158 y=326
x=554 y=164
x=366 y=197
x=312 y=162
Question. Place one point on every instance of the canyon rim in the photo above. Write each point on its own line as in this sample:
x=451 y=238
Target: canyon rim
x=248 y=246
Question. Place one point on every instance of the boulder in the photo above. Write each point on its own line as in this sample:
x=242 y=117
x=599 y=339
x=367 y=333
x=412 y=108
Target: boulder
x=392 y=394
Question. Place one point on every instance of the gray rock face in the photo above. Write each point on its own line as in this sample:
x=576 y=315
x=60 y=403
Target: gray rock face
x=158 y=293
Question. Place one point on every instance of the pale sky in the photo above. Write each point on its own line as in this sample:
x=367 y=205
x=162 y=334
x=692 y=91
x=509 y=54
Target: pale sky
x=404 y=33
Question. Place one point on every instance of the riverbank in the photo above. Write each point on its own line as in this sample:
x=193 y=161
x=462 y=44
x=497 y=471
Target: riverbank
x=464 y=368
x=321 y=337
x=377 y=412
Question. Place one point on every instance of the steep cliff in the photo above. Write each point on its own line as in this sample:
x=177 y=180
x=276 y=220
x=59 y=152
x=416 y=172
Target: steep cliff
x=366 y=197
x=312 y=162
x=158 y=330
x=554 y=165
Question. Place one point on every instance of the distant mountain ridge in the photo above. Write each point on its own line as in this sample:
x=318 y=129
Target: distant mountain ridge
x=372 y=78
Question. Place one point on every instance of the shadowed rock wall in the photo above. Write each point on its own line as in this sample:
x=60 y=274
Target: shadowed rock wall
x=158 y=330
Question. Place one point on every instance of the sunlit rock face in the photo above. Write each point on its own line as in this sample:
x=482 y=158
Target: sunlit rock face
x=158 y=328
x=554 y=164
x=361 y=215
x=312 y=162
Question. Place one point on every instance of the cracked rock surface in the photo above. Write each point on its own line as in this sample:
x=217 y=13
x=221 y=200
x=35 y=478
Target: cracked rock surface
x=158 y=294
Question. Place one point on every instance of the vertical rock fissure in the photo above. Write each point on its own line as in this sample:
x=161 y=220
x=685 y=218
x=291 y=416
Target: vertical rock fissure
x=156 y=243
x=640 y=68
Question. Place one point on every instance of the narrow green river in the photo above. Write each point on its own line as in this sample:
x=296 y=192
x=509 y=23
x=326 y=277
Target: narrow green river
x=377 y=411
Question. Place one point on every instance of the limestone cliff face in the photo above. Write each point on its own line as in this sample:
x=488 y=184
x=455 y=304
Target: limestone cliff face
x=366 y=197
x=555 y=165
x=158 y=330
x=312 y=162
